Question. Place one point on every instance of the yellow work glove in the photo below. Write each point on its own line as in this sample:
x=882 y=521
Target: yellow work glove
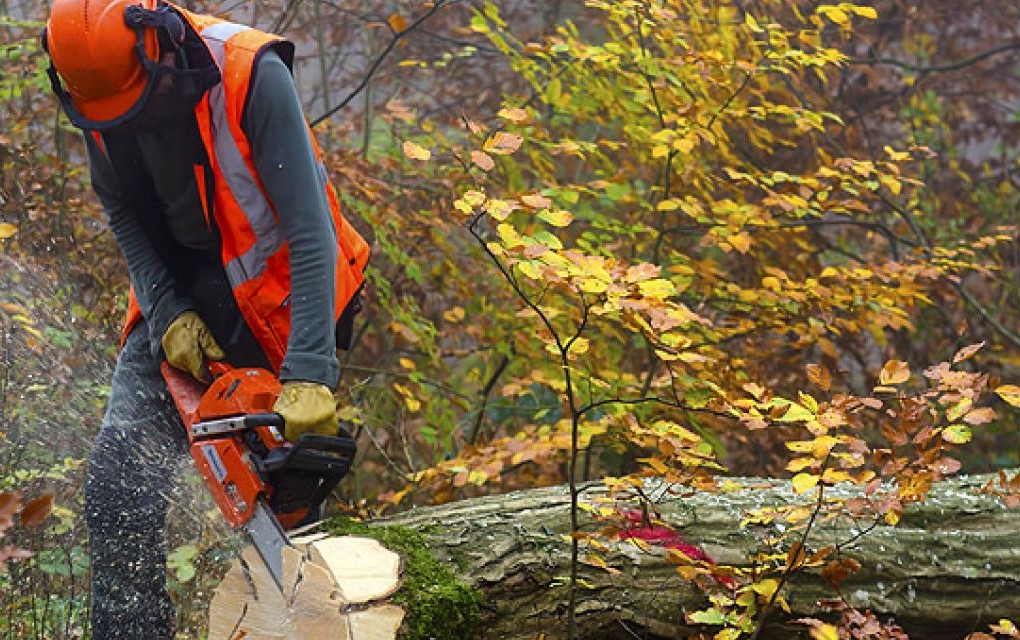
x=188 y=342
x=306 y=407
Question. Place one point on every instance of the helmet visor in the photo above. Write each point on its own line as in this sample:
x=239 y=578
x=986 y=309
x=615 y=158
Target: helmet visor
x=166 y=89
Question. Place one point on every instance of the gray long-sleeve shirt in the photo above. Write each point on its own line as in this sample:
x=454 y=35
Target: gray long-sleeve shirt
x=286 y=164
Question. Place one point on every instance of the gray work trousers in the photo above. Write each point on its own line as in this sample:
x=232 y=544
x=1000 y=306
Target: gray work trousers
x=132 y=473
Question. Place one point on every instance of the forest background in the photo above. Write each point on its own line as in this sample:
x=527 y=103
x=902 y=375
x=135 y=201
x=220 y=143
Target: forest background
x=620 y=240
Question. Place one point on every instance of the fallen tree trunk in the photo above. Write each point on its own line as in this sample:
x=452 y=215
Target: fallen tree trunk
x=949 y=568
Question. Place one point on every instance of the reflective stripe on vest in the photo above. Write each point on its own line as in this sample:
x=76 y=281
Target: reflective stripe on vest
x=240 y=181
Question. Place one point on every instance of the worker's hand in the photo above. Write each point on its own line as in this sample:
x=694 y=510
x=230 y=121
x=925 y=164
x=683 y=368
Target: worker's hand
x=188 y=342
x=306 y=407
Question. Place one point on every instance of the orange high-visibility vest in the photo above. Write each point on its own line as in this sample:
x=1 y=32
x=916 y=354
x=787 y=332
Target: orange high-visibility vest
x=253 y=249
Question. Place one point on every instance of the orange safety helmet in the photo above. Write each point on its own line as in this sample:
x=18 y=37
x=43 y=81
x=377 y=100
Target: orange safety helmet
x=106 y=52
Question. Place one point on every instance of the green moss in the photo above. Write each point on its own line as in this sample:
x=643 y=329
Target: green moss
x=437 y=604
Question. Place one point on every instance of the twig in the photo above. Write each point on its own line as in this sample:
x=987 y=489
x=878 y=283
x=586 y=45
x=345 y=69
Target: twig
x=485 y=397
x=397 y=37
x=954 y=66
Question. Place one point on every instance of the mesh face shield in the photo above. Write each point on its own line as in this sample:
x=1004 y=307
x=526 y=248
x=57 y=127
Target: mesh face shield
x=169 y=90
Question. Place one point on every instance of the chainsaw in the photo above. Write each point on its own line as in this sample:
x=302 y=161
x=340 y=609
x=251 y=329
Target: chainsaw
x=262 y=483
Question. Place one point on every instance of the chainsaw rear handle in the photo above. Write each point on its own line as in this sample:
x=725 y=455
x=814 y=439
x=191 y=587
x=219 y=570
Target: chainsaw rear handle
x=327 y=456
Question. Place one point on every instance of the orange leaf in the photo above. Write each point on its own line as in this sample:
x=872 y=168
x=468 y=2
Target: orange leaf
x=397 y=22
x=967 y=352
x=36 y=511
x=10 y=502
x=894 y=372
x=536 y=201
x=483 y=160
x=503 y=143
x=984 y=415
x=819 y=375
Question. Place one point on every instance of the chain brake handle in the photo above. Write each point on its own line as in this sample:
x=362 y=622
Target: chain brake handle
x=327 y=456
x=218 y=368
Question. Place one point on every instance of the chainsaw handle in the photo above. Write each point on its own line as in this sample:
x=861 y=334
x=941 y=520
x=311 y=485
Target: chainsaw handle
x=253 y=420
x=324 y=455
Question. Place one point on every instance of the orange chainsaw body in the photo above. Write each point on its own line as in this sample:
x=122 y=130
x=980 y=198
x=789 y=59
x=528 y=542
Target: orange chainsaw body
x=224 y=460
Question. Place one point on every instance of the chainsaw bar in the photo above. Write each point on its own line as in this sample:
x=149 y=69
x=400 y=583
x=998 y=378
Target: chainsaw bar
x=269 y=540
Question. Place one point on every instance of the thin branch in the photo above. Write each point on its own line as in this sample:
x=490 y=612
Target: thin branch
x=784 y=579
x=485 y=397
x=397 y=37
x=942 y=68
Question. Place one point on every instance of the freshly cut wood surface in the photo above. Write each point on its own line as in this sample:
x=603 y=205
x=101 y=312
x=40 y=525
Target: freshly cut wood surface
x=333 y=589
x=362 y=568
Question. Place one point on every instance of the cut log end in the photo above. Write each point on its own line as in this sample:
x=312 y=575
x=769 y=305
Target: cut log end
x=334 y=588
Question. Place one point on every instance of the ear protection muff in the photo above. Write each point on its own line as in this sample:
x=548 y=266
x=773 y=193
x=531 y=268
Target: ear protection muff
x=169 y=26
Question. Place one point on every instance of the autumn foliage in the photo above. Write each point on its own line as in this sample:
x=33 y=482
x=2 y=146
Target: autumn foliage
x=661 y=239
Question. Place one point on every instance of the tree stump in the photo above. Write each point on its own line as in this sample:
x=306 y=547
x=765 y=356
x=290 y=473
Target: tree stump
x=333 y=587
x=952 y=566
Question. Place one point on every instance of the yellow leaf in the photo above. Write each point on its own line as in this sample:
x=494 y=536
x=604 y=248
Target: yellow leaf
x=530 y=269
x=514 y=115
x=579 y=346
x=865 y=12
x=1006 y=627
x=499 y=209
x=957 y=434
x=741 y=242
x=7 y=230
x=954 y=412
x=455 y=314
x=896 y=156
x=473 y=198
x=894 y=372
x=415 y=151
x=557 y=217
x=752 y=24
x=803 y=482
x=407 y=363
x=833 y=13
x=824 y=632
x=772 y=283
x=1010 y=393
x=659 y=288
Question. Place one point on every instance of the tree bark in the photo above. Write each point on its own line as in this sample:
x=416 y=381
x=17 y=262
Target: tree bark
x=950 y=567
